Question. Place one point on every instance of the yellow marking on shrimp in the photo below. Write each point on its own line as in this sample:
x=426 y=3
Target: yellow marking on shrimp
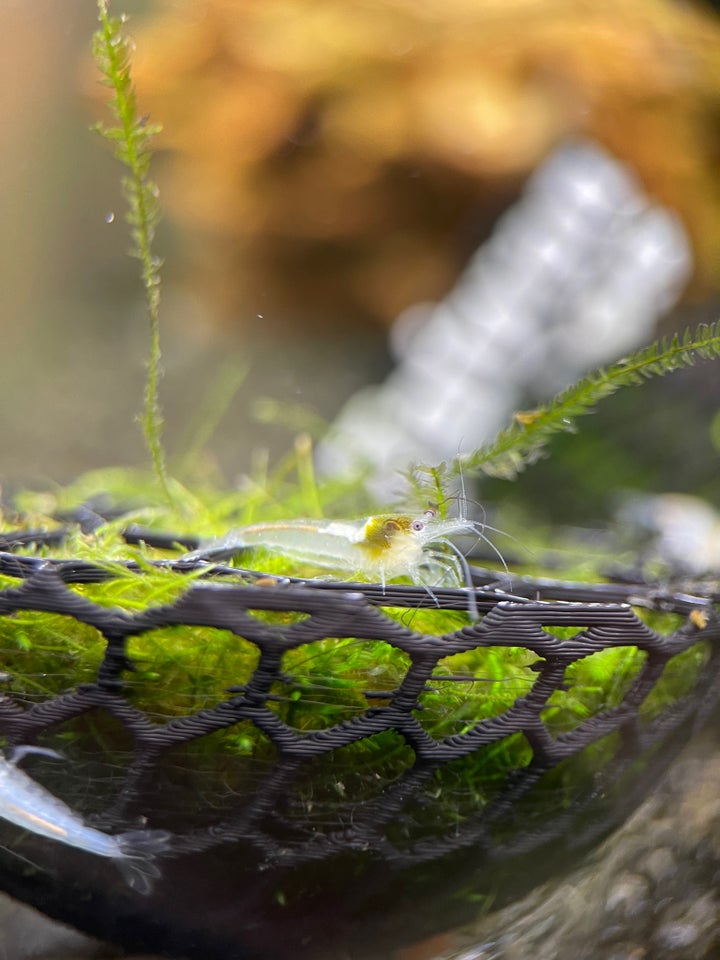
x=381 y=533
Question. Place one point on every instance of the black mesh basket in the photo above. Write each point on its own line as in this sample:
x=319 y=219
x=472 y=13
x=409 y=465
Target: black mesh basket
x=301 y=824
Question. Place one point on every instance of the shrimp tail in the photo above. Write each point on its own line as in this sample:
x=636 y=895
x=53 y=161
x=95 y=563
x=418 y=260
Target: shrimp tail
x=136 y=858
x=221 y=548
x=15 y=754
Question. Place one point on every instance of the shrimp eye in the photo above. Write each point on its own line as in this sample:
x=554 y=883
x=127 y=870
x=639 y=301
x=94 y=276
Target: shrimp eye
x=417 y=525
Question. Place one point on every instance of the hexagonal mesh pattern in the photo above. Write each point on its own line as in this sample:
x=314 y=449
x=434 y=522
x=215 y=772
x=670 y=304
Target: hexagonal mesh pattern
x=399 y=827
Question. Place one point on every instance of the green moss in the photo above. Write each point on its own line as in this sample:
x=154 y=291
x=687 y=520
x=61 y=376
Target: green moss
x=181 y=670
x=594 y=684
x=469 y=687
x=43 y=654
x=677 y=681
x=327 y=682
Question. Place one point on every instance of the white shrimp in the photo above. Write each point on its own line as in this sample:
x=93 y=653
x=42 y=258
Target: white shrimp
x=379 y=548
x=24 y=802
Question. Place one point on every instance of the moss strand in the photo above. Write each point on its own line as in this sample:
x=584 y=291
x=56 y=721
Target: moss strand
x=523 y=442
x=131 y=138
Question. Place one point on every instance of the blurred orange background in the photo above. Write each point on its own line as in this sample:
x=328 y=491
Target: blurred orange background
x=323 y=165
x=346 y=156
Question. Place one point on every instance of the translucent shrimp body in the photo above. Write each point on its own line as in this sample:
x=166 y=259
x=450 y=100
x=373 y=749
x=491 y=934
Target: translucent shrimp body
x=29 y=805
x=378 y=548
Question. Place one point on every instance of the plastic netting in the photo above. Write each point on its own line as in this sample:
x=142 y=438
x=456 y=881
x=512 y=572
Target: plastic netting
x=285 y=847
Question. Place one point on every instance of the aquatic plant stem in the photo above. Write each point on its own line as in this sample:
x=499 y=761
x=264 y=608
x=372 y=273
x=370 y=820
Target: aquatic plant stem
x=131 y=138
x=524 y=441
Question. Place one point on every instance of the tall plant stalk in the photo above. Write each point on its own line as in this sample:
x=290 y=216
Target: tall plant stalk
x=131 y=136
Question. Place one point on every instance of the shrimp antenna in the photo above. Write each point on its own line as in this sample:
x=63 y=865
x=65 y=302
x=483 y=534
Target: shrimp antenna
x=480 y=525
x=494 y=549
x=463 y=494
x=467 y=575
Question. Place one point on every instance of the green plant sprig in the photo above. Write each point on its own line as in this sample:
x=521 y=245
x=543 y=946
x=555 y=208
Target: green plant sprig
x=131 y=138
x=523 y=442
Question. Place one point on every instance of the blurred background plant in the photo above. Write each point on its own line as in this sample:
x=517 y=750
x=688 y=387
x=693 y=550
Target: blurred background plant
x=328 y=165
